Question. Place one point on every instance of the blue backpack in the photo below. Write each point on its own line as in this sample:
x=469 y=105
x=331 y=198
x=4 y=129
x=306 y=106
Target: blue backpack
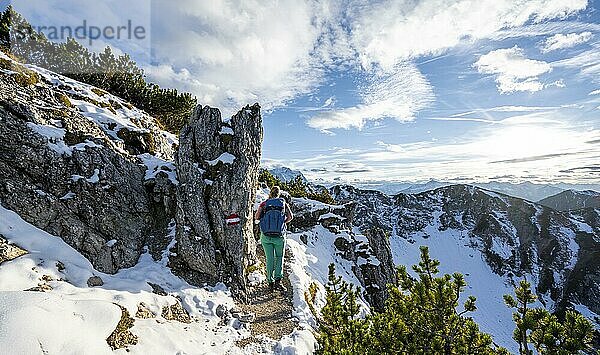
x=272 y=221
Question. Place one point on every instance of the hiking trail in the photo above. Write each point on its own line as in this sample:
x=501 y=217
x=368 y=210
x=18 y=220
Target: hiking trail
x=273 y=311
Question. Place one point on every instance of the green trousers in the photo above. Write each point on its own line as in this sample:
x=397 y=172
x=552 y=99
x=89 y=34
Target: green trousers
x=273 y=247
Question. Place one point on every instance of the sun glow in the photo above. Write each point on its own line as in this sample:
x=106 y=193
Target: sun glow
x=527 y=141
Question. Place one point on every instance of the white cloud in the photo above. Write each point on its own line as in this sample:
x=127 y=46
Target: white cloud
x=506 y=109
x=562 y=41
x=386 y=33
x=399 y=94
x=545 y=29
x=230 y=53
x=239 y=52
x=394 y=30
x=595 y=92
x=514 y=72
x=560 y=83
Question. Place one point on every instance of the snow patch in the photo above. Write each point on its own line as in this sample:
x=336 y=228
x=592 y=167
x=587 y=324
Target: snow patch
x=74 y=318
x=226 y=130
x=225 y=158
x=54 y=135
x=155 y=165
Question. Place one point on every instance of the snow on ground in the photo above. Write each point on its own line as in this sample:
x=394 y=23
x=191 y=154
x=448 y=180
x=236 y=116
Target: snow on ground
x=311 y=265
x=107 y=111
x=55 y=137
x=75 y=318
x=87 y=315
x=451 y=248
x=501 y=197
x=43 y=323
x=155 y=165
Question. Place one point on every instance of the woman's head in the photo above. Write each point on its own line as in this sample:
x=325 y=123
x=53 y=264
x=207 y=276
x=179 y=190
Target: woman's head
x=275 y=192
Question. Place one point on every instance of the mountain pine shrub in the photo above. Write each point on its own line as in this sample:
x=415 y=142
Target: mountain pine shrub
x=296 y=187
x=538 y=329
x=421 y=316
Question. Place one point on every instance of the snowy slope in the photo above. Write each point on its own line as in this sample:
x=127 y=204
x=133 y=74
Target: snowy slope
x=572 y=200
x=111 y=114
x=494 y=240
x=88 y=315
x=452 y=249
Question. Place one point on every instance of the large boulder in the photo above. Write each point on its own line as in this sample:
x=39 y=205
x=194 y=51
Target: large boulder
x=67 y=167
x=217 y=168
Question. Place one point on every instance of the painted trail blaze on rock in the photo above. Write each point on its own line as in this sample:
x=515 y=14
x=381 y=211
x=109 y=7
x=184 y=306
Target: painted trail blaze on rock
x=232 y=219
x=207 y=243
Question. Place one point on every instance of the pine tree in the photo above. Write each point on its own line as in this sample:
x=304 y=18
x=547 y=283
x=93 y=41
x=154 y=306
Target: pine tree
x=340 y=331
x=426 y=309
x=543 y=330
x=421 y=316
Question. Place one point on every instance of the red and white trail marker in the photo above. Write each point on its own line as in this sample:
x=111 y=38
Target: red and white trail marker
x=232 y=219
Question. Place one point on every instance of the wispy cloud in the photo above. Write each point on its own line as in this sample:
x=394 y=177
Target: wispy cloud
x=562 y=41
x=536 y=145
x=544 y=29
x=399 y=94
x=462 y=119
x=587 y=62
x=397 y=30
x=507 y=109
x=533 y=158
x=513 y=71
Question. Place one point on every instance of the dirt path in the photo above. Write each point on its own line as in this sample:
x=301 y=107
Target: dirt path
x=273 y=310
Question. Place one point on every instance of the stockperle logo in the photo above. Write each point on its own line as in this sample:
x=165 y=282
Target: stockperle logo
x=125 y=26
x=86 y=32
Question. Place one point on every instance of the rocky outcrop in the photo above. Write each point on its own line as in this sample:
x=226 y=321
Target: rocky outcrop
x=217 y=168
x=369 y=252
x=308 y=213
x=68 y=167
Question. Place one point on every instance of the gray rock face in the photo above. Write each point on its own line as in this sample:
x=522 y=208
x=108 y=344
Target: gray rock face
x=217 y=168
x=78 y=178
x=369 y=252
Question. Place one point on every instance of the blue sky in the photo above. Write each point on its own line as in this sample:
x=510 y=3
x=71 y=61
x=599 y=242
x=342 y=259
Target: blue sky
x=384 y=90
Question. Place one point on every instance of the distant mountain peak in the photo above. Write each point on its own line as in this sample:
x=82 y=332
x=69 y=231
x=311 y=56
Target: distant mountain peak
x=286 y=174
x=569 y=200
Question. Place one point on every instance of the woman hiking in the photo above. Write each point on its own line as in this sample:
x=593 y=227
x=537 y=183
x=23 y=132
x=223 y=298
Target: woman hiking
x=273 y=214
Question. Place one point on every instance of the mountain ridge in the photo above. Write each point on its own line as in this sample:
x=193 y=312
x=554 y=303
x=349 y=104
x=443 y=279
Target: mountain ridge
x=572 y=200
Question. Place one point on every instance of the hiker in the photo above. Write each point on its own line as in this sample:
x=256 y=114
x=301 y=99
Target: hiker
x=273 y=214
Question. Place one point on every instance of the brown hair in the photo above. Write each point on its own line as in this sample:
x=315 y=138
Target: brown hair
x=275 y=192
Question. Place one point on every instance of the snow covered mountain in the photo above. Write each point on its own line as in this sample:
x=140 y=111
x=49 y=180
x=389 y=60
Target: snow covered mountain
x=105 y=232
x=495 y=240
x=572 y=200
x=525 y=190
x=286 y=174
x=89 y=187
